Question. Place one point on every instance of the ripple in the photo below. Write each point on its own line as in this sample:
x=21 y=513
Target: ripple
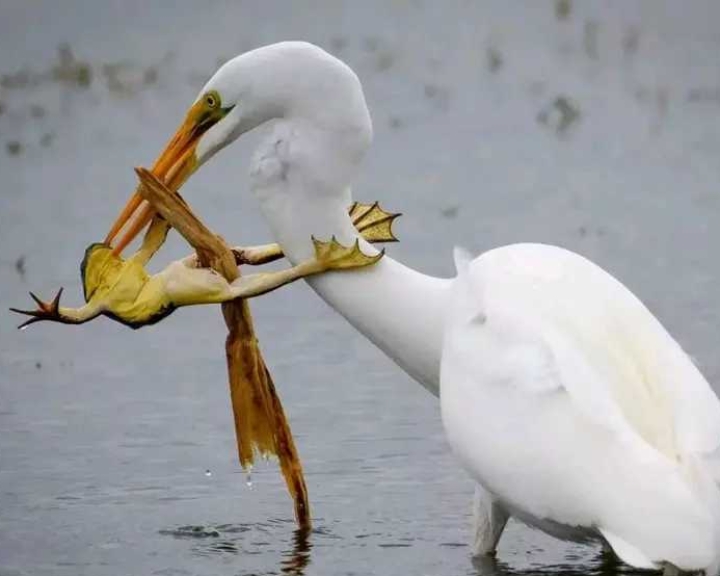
x=191 y=532
x=212 y=540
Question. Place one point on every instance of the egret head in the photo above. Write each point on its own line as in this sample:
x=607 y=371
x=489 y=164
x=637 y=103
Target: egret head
x=285 y=80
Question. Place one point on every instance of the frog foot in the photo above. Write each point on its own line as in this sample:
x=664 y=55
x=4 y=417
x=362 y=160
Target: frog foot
x=44 y=311
x=334 y=256
x=374 y=223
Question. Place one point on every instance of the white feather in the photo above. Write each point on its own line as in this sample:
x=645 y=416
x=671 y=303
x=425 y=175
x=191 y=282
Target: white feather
x=572 y=405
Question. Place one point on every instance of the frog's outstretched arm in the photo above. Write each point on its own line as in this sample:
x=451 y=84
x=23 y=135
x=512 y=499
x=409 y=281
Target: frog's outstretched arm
x=54 y=312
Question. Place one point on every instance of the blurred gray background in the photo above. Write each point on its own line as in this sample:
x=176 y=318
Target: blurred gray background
x=592 y=126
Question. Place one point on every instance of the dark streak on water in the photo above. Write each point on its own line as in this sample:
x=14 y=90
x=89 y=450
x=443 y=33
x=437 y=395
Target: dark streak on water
x=106 y=434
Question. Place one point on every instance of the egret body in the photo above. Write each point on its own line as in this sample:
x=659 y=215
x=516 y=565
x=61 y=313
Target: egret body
x=561 y=394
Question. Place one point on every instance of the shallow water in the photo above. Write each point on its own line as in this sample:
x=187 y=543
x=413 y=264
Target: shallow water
x=598 y=131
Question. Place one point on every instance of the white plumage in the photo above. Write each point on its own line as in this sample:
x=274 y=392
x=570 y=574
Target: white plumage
x=570 y=403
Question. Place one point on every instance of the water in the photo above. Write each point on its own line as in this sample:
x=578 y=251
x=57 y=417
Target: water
x=494 y=123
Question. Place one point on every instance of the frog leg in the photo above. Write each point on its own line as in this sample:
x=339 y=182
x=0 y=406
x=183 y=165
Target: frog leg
x=53 y=312
x=257 y=255
x=252 y=255
x=374 y=223
x=328 y=256
x=188 y=286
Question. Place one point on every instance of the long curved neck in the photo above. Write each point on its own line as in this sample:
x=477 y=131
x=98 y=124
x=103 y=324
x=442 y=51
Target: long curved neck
x=398 y=309
x=299 y=176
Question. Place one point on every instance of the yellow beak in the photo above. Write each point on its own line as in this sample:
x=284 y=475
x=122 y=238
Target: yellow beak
x=174 y=166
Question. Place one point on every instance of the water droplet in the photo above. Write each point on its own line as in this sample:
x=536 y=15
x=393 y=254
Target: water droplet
x=248 y=477
x=208 y=473
x=23 y=327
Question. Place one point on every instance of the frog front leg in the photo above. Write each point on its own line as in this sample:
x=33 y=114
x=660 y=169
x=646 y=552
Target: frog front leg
x=53 y=312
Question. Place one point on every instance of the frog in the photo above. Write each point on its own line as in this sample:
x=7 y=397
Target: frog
x=123 y=290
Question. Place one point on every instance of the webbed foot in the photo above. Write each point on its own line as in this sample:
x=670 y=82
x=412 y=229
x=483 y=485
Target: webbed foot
x=334 y=256
x=374 y=223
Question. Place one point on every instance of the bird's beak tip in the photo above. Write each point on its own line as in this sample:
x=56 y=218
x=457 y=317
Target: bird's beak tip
x=174 y=166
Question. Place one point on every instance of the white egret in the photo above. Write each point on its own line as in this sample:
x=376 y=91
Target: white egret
x=562 y=395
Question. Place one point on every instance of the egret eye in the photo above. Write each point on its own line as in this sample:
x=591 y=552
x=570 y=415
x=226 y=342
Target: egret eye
x=211 y=100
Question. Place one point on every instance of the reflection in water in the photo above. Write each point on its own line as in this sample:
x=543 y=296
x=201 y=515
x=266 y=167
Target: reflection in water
x=604 y=564
x=291 y=551
x=298 y=557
